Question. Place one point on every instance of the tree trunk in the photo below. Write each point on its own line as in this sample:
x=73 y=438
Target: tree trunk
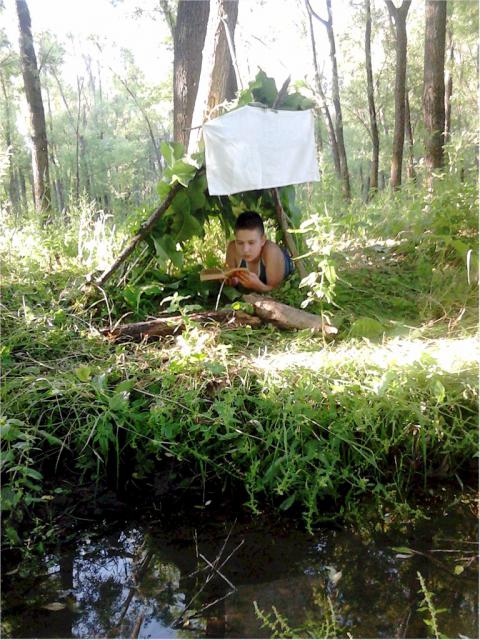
x=342 y=155
x=33 y=94
x=217 y=65
x=338 y=109
x=328 y=118
x=12 y=186
x=399 y=16
x=57 y=187
x=449 y=88
x=23 y=189
x=189 y=37
x=434 y=85
x=371 y=101
x=409 y=132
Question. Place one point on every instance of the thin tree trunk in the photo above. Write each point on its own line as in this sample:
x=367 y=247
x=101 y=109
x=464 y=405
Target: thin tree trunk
x=399 y=16
x=23 y=189
x=156 y=149
x=59 y=203
x=131 y=93
x=77 y=140
x=338 y=109
x=434 y=85
x=12 y=190
x=449 y=88
x=169 y=17
x=74 y=124
x=371 y=101
x=409 y=132
x=328 y=24
x=33 y=93
x=189 y=38
x=328 y=118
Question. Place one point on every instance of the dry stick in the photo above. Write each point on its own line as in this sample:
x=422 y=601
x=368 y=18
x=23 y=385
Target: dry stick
x=215 y=569
x=281 y=215
x=231 y=49
x=144 y=230
x=138 y=625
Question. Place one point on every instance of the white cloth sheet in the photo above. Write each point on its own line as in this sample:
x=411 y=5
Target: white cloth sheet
x=258 y=148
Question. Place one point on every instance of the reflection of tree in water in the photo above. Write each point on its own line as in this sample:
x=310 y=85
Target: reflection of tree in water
x=118 y=583
x=136 y=580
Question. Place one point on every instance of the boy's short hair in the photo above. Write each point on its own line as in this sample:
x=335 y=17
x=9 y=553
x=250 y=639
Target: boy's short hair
x=250 y=220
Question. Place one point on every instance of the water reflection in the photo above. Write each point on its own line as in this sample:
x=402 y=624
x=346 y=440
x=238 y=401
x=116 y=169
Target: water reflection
x=138 y=581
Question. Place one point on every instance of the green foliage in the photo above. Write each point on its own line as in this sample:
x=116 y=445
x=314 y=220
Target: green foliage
x=427 y=606
x=326 y=626
x=263 y=91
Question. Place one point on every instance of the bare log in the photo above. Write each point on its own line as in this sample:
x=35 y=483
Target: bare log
x=285 y=317
x=175 y=325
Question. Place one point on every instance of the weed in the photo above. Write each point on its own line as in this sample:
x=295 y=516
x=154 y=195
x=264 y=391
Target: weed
x=427 y=606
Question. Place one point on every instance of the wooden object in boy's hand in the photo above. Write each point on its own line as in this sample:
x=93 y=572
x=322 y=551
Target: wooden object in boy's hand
x=220 y=274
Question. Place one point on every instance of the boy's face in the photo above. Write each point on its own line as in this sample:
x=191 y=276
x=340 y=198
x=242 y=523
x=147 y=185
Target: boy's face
x=249 y=243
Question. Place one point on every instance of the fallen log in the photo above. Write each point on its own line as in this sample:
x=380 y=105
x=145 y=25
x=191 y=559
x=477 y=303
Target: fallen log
x=285 y=317
x=174 y=325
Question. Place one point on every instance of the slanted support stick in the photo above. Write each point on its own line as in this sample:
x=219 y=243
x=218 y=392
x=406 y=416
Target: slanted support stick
x=281 y=215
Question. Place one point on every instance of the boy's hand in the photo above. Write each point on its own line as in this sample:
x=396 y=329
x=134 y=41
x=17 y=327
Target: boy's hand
x=250 y=280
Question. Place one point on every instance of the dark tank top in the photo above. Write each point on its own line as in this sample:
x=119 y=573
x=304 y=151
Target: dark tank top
x=262 y=273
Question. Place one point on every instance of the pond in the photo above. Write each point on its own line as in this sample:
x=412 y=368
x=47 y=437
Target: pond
x=161 y=578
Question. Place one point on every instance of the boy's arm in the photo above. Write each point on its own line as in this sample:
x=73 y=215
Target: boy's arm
x=274 y=262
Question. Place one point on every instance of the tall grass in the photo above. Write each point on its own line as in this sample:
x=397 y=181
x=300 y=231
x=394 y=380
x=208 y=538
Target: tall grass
x=382 y=415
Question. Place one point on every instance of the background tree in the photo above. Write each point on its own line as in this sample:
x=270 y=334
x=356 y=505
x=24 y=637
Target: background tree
x=434 y=84
x=217 y=77
x=8 y=71
x=322 y=97
x=342 y=154
x=189 y=37
x=33 y=94
x=399 y=16
x=371 y=100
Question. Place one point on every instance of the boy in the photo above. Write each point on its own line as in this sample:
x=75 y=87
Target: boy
x=267 y=263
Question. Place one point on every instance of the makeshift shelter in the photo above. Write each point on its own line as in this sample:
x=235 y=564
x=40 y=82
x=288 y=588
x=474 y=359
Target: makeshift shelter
x=259 y=148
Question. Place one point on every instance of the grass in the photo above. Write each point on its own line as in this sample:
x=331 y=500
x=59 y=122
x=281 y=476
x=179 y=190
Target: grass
x=313 y=429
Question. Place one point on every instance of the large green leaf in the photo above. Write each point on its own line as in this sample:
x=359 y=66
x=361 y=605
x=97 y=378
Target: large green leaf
x=296 y=102
x=265 y=89
x=162 y=255
x=181 y=204
x=190 y=227
x=163 y=189
x=181 y=171
x=172 y=151
x=169 y=247
x=196 y=193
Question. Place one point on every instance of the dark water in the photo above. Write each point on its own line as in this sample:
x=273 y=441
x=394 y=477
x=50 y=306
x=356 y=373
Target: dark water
x=138 y=578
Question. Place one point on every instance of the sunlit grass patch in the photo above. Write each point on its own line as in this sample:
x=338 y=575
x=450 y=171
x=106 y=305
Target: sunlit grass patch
x=443 y=354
